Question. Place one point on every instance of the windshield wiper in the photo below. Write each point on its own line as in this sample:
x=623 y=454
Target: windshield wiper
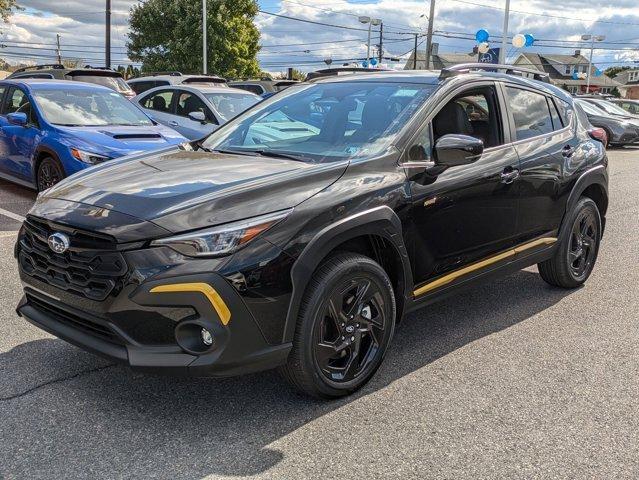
x=275 y=154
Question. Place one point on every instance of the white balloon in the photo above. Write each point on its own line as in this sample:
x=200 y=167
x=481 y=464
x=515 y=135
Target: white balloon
x=483 y=47
x=519 y=41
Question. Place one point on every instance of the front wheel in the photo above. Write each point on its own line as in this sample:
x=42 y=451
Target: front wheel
x=575 y=258
x=49 y=173
x=345 y=325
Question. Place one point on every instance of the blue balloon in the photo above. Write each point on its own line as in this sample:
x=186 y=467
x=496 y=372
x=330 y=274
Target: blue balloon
x=481 y=36
x=364 y=64
x=373 y=61
x=575 y=76
x=598 y=72
x=529 y=40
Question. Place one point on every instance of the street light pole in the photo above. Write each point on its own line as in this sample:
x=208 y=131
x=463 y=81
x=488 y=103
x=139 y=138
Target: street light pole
x=204 y=48
x=593 y=39
x=371 y=21
x=504 y=34
x=429 y=34
x=107 y=43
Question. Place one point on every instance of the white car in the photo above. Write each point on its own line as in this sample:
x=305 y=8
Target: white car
x=195 y=111
x=165 y=79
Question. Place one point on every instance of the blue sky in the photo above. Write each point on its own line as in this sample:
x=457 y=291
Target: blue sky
x=306 y=45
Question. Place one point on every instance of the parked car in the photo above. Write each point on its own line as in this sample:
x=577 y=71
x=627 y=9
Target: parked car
x=195 y=110
x=611 y=109
x=262 y=87
x=50 y=129
x=165 y=79
x=629 y=105
x=100 y=76
x=304 y=251
x=620 y=131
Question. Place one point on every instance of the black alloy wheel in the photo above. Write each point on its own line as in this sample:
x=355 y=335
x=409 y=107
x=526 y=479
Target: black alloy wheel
x=49 y=173
x=345 y=324
x=576 y=254
x=348 y=337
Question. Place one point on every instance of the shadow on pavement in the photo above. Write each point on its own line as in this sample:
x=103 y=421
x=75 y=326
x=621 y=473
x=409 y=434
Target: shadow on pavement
x=122 y=424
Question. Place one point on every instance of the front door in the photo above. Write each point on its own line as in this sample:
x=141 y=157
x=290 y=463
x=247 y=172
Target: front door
x=468 y=213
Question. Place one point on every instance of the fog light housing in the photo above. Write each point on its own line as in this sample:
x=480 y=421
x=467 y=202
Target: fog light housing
x=207 y=338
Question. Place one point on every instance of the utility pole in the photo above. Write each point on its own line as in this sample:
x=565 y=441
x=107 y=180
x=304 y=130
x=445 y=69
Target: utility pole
x=58 y=49
x=381 y=42
x=593 y=39
x=107 y=53
x=429 y=34
x=204 y=32
x=504 y=35
x=415 y=54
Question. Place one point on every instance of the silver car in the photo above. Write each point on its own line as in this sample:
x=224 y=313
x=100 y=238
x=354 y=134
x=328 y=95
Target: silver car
x=195 y=111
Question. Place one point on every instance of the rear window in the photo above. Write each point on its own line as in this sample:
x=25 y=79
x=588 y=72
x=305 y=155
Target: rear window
x=250 y=87
x=530 y=113
x=114 y=83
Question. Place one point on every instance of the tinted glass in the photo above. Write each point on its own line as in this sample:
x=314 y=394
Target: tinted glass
x=114 y=83
x=556 y=121
x=158 y=101
x=88 y=108
x=190 y=103
x=227 y=105
x=256 y=89
x=530 y=112
x=139 y=87
x=324 y=122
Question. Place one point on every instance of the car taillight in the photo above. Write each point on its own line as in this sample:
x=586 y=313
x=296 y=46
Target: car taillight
x=599 y=134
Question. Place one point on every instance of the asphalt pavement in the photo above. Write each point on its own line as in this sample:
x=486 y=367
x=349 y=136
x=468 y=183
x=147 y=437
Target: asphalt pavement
x=511 y=380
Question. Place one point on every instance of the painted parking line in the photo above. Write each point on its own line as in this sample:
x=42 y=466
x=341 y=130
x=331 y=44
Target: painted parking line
x=12 y=215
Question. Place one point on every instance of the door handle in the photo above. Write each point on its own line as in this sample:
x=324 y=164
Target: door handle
x=509 y=175
x=567 y=151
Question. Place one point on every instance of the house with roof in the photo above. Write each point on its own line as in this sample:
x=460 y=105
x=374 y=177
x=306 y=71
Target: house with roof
x=560 y=69
x=629 y=83
x=438 y=60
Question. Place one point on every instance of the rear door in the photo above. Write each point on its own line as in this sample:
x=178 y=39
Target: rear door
x=160 y=105
x=17 y=143
x=545 y=146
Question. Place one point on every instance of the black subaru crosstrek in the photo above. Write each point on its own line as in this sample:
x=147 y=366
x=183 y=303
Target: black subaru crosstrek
x=300 y=233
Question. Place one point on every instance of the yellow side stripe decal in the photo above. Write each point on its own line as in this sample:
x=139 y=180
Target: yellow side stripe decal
x=446 y=279
x=204 y=288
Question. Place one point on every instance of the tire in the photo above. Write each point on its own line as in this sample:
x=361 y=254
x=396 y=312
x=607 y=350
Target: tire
x=49 y=173
x=345 y=324
x=575 y=258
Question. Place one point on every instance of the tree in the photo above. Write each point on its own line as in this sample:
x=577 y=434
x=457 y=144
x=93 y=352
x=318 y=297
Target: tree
x=612 y=72
x=7 y=7
x=166 y=35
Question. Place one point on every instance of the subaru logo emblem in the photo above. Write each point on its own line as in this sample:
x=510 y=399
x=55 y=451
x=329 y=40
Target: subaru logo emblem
x=58 y=242
x=350 y=329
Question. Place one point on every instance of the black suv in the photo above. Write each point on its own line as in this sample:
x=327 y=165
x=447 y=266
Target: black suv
x=298 y=234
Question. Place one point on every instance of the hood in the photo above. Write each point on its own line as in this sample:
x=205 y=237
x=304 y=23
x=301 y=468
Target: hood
x=186 y=190
x=116 y=141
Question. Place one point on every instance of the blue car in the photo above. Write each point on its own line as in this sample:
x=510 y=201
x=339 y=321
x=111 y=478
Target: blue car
x=52 y=129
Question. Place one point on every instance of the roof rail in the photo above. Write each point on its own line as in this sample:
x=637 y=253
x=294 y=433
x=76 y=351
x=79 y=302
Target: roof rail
x=40 y=67
x=492 y=67
x=156 y=74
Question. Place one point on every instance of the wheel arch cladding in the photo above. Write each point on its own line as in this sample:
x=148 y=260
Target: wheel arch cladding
x=376 y=233
x=592 y=184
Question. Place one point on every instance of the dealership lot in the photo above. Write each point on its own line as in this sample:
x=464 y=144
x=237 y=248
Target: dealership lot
x=514 y=380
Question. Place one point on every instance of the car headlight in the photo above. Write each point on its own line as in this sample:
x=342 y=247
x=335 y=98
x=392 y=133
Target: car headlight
x=222 y=239
x=88 y=157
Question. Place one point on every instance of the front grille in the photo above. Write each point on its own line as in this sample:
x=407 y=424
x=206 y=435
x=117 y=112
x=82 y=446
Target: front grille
x=80 y=323
x=91 y=267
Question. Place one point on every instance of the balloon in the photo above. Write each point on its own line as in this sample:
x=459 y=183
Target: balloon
x=598 y=72
x=519 y=40
x=481 y=36
x=373 y=61
x=575 y=76
x=364 y=64
x=529 y=40
x=483 y=47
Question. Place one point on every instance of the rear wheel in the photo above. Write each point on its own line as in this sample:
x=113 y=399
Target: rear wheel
x=49 y=173
x=345 y=325
x=575 y=258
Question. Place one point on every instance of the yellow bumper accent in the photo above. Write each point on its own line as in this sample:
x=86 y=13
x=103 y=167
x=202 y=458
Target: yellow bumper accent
x=204 y=288
x=446 y=279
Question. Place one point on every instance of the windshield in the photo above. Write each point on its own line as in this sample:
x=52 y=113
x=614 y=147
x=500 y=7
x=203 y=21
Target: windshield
x=88 y=108
x=114 y=83
x=227 y=105
x=611 y=108
x=324 y=121
x=590 y=108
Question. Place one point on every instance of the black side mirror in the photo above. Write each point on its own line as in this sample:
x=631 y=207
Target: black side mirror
x=453 y=150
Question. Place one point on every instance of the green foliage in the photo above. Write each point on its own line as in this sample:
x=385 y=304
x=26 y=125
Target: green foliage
x=615 y=92
x=166 y=35
x=612 y=72
x=298 y=75
x=7 y=7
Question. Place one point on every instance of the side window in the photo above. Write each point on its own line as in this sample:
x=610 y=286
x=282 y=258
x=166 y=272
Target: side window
x=189 y=103
x=15 y=99
x=565 y=111
x=2 y=90
x=474 y=113
x=530 y=113
x=158 y=101
x=139 y=87
x=249 y=87
x=554 y=114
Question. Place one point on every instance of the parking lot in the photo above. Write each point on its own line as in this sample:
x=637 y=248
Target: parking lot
x=514 y=380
